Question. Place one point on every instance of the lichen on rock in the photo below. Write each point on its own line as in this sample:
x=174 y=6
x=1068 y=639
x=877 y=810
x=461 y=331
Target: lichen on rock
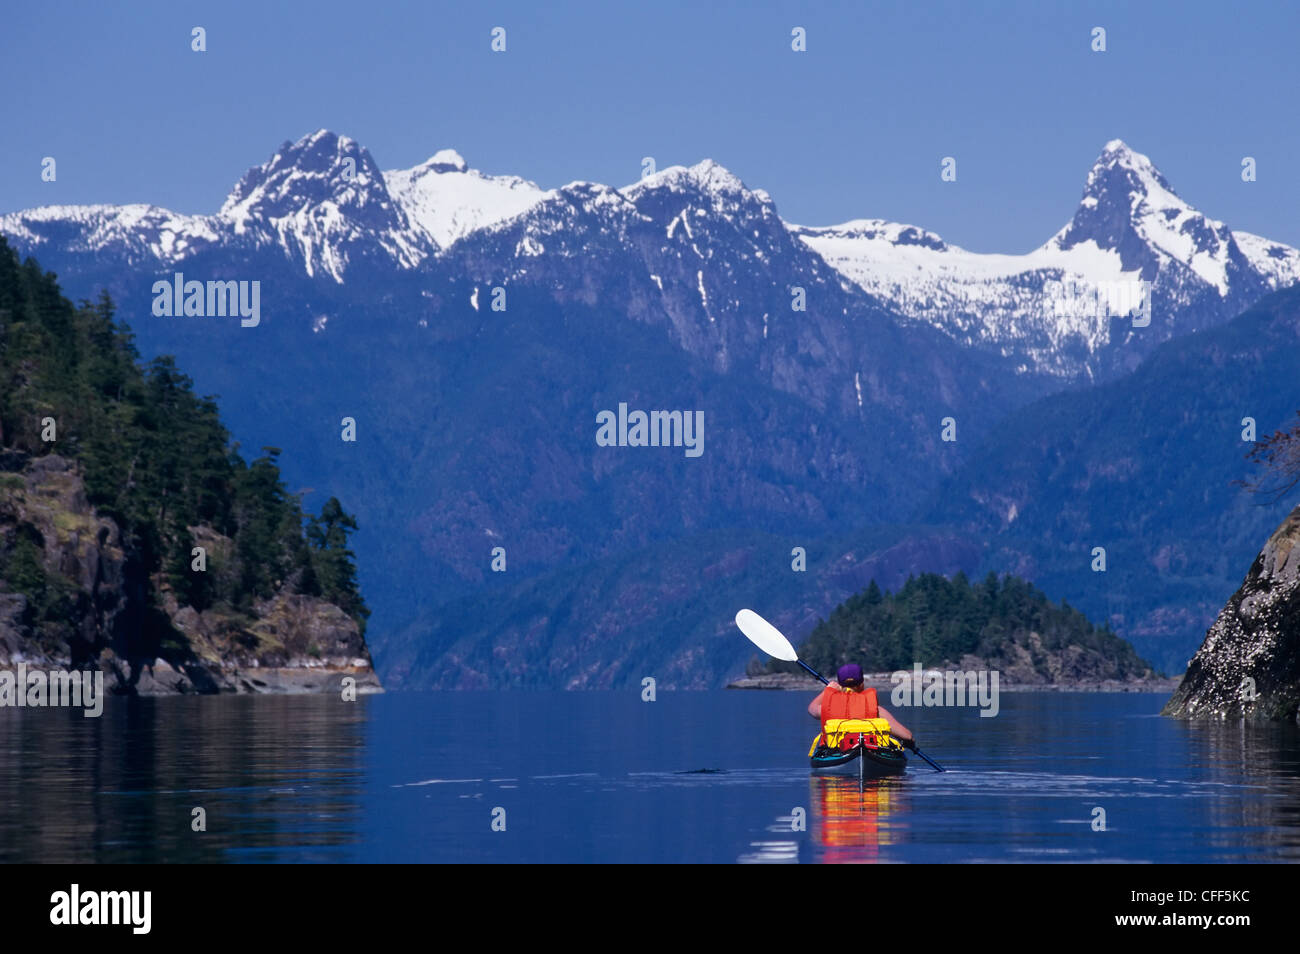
x=1249 y=665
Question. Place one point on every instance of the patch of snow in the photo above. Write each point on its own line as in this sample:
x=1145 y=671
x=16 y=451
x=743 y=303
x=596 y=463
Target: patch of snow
x=704 y=298
x=448 y=200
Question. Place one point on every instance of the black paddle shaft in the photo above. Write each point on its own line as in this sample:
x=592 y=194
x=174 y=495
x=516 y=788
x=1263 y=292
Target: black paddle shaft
x=933 y=764
x=813 y=671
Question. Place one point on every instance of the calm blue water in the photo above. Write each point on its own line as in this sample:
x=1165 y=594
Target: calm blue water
x=605 y=777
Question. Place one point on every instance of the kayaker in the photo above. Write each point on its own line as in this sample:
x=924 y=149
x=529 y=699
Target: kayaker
x=848 y=682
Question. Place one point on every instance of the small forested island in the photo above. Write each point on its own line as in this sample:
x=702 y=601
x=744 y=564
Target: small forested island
x=136 y=539
x=1002 y=624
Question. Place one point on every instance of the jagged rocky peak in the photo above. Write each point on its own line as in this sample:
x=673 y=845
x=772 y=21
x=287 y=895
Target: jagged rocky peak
x=1249 y=665
x=706 y=175
x=583 y=207
x=1129 y=207
x=1117 y=163
x=709 y=208
x=706 y=178
x=322 y=167
x=325 y=203
x=1120 y=181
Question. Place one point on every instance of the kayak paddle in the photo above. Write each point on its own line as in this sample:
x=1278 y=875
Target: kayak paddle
x=933 y=764
x=769 y=639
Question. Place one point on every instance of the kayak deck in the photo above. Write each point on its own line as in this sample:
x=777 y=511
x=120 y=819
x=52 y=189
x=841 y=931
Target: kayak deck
x=876 y=763
x=863 y=747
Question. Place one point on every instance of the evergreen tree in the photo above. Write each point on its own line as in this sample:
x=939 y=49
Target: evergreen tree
x=155 y=458
x=933 y=620
x=333 y=560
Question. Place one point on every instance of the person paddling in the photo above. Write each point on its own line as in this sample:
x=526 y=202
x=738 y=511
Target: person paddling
x=845 y=698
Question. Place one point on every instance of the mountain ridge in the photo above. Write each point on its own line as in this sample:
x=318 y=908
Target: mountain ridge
x=477 y=424
x=1129 y=226
x=324 y=204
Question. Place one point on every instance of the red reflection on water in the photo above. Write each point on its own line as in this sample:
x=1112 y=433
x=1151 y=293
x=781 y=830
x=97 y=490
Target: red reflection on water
x=851 y=820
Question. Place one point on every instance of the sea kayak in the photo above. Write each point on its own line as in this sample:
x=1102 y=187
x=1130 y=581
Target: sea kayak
x=863 y=747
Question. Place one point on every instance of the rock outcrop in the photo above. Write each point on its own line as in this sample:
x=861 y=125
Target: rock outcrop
x=1249 y=665
x=90 y=609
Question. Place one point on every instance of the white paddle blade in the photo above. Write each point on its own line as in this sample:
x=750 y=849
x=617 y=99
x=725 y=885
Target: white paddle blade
x=765 y=636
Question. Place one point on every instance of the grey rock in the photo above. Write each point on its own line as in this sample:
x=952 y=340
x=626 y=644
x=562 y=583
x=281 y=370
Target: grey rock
x=1249 y=665
x=293 y=643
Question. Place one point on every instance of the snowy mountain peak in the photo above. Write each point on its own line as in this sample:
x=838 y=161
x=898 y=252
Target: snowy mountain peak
x=706 y=188
x=322 y=204
x=1129 y=225
x=447 y=200
x=1119 y=172
x=1118 y=151
x=317 y=168
x=445 y=160
x=323 y=200
x=706 y=177
x=1129 y=208
x=714 y=177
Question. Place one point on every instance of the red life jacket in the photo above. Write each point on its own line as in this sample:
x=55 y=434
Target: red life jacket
x=842 y=704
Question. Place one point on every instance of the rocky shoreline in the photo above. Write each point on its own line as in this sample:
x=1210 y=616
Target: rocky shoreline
x=290 y=643
x=162 y=679
x=881 y=682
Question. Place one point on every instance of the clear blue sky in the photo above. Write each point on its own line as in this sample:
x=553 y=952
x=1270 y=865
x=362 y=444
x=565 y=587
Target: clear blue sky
x=855 y=127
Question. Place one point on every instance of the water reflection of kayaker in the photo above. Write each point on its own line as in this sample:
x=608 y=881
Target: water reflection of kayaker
x=845 y=698
x=849 y=822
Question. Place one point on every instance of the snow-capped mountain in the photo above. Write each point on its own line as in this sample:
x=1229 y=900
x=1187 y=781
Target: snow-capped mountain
x=684 y=289
x=448 y=200
x=1128 y=206
x=323 y=205
x=1130 y=225
x=670 y=228
x=321 y=202
x=692 y=249
x=677 y=291
x=134 y=235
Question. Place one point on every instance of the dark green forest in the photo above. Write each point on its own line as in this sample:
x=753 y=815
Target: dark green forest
x=934 y=620
x=155 y=458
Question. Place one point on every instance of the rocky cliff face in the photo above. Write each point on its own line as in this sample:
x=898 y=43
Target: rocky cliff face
x=71 y=595
x=1249 y=665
